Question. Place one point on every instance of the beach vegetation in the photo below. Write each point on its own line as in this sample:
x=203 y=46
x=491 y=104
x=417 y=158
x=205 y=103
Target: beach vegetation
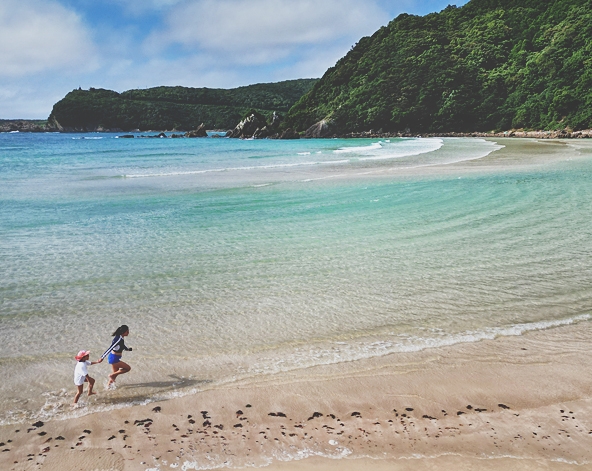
x=489 y=65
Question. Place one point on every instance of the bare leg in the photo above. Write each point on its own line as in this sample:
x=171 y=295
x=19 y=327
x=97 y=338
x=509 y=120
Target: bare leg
x=78 y=393
x=119 y=368
x=91 y=383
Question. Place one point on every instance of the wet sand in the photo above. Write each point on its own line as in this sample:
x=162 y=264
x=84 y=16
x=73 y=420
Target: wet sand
x=519 y=403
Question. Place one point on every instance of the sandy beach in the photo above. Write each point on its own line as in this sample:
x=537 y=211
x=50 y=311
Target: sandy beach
x=518 y=403
x=513 y=402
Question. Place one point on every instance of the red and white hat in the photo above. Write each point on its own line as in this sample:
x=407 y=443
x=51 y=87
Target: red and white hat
x=82 y=354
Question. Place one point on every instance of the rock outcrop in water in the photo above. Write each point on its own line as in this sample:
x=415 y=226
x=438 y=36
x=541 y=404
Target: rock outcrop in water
x=199 y=132
x=253 y=123
x=255 y=126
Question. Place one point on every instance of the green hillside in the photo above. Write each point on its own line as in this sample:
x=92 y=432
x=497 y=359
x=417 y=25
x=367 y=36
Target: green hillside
x=180 y=108
x=490 y=65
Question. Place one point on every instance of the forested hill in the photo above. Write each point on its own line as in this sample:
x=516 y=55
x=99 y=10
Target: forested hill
x=167 y=108
x=489 y=65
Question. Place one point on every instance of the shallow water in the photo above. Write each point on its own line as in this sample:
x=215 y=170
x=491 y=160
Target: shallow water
x=231 y=259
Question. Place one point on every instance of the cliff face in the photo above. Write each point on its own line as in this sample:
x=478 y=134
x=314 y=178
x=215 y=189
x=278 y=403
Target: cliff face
x=25 y=125
x=167 y=108
x=490 y=65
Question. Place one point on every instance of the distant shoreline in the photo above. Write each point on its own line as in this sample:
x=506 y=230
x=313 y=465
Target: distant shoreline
x=39 y=126
x=23 y=125
x=553 y=134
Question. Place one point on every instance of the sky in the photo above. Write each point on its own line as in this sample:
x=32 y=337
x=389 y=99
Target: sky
x=50 y=47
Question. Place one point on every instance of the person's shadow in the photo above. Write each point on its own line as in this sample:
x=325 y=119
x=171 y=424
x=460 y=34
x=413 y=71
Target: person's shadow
x=175 y=384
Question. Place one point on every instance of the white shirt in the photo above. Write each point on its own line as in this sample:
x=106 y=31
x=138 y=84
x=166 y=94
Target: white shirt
x=80 y=372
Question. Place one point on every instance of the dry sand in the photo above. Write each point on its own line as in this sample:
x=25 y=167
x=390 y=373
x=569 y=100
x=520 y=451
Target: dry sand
x=520 y=403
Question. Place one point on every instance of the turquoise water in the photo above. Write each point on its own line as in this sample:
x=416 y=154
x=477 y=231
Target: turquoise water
x=231 y=259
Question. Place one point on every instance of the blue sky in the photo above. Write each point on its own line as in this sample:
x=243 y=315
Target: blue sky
x=49 y=47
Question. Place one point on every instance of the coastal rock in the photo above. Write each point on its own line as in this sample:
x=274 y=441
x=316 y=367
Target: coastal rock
x=248 y=126
x=263 y=132
x=269 y=130
x=154 y=136
x=517 y=133
x=199 y=132
x=289 y=134
x=53 y=125
x=321 y=129
x=24 y=125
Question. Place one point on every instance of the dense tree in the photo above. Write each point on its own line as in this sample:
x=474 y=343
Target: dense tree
x=178 y=108
x=490 y=65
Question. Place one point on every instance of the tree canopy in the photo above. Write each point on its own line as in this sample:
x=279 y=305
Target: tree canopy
x=180 y=108
x=489 y=65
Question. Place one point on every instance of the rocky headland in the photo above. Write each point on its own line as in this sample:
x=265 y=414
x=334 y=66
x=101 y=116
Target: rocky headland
x=25 y=125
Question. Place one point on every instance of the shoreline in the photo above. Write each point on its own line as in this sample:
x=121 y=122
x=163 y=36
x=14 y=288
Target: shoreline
x=555 y=134
x=33 y=127
x=521 y=402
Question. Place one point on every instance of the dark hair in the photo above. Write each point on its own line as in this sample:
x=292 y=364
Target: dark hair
x=120 y=330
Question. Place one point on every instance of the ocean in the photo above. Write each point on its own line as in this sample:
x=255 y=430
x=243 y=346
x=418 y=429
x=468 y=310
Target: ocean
x=231 y=260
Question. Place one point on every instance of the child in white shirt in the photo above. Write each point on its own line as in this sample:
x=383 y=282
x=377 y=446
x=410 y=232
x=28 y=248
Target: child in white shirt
x=81 y=374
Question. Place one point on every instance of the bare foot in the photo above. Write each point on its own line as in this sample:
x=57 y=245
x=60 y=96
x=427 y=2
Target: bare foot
x=91 y=393
x=111 y=384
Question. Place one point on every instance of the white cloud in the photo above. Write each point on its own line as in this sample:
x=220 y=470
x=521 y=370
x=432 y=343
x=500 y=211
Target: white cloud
x=191 y=71
x=37 y=35
x=311 y=65
x=157 y=4
x=263 y=31
x=138 y=8
x=31 y=98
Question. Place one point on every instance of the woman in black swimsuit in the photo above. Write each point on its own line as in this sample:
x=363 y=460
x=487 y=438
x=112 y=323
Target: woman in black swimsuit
x=115 y=351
